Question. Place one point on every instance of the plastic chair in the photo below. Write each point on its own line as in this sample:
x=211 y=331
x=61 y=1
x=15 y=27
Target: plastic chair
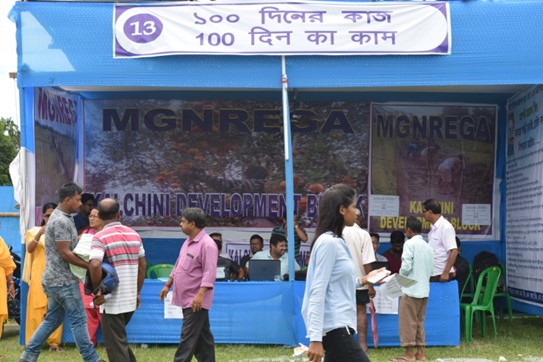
x=505 y=295
x=483 y=301
x=464 y=294
x=160 y=271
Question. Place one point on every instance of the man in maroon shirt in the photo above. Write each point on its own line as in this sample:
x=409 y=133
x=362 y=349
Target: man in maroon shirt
x=394 y=254
x=193 y=278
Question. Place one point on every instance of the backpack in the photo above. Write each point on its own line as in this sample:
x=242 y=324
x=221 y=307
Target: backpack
x=482 y=261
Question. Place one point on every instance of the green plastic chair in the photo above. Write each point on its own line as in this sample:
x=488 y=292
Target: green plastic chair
x=505 y=295
x=483 y=301
x=464 y=294
x=159 y=271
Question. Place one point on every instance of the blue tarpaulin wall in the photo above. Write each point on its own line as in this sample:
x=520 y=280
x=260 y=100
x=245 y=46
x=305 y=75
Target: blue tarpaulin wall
x=269 y=313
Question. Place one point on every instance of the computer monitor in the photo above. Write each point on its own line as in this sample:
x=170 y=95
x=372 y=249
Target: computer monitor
x=264 y=270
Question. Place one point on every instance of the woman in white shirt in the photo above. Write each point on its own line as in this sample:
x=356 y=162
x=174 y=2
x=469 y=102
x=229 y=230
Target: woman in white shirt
x=329 y=305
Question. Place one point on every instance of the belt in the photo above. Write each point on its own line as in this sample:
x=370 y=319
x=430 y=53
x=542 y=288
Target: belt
x=340 y=330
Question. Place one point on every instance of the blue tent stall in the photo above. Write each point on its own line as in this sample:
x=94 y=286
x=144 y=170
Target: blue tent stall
x=497 y=51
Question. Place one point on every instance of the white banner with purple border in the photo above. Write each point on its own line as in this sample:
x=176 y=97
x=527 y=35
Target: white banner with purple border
x=281 y=28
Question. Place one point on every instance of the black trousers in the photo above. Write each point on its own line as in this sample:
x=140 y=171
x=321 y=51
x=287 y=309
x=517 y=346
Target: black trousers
x=340 y=346
x=196 y=338
x=115 y=339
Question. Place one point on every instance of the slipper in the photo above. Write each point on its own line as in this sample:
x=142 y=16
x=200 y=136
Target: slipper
x=56 y=349
x=402 y=359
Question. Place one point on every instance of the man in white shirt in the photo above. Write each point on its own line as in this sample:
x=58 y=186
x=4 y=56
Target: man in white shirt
x=277 y=251
x=442 y=240
x=360 y=246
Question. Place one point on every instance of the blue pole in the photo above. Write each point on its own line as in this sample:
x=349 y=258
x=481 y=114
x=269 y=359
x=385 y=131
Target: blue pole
x=289 y=170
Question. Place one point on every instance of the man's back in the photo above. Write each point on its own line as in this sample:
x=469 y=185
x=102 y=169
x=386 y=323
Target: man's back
x=417 y=263
x=121 y=247
x=360 y=246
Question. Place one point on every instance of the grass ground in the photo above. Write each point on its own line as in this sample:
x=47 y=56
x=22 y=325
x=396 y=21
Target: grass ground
x=523 y=341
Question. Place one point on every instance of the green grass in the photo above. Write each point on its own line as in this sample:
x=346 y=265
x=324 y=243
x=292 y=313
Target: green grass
x=521 y=342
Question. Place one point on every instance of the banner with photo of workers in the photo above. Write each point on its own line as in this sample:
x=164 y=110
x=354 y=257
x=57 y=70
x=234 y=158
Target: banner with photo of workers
x=55 y=132
x=445 y=152
x=158 y=157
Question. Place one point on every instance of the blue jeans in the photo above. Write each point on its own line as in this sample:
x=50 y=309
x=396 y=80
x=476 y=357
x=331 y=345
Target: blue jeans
x=62 y=301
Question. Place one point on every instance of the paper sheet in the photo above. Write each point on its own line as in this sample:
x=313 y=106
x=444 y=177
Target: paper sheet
x=171 y=311
x=383 y=304
x=394 y=283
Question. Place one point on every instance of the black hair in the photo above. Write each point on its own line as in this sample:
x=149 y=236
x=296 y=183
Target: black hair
x=256 y=236
x=330 y=219
x=68 y=190
x=432 y=205
x=196 y=215
x=397 y=237
x=86 y=197
x=47 y=206
x=375 y=235
x=215 y=234
x=414 y=224
x=276 y=238
x=218 y=242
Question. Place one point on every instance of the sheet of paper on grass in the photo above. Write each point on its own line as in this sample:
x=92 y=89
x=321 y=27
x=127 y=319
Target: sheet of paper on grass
x=393 y=284
x=82 y=250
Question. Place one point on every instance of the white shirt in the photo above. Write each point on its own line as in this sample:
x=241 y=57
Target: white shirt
x=442 y=240
x=266 y=255
x=361 y=248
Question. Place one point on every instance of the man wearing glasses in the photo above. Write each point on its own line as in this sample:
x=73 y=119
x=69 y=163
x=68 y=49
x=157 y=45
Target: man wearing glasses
x=82 y=218
x=442 y=239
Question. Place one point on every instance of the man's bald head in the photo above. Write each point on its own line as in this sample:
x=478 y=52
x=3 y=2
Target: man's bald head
x=108 y=209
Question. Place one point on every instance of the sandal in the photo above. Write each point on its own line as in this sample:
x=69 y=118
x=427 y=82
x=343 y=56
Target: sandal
x=403 y=359
x=55 y=348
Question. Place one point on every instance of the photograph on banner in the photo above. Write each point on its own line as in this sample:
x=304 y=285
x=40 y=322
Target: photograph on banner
x=226 y=157
x=55 y=132
x=423 y=151
x=524 y=198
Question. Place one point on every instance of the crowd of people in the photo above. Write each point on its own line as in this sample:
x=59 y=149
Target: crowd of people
x=342 y=258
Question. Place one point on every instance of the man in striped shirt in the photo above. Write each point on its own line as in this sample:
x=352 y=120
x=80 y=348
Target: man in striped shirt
x=121 y=247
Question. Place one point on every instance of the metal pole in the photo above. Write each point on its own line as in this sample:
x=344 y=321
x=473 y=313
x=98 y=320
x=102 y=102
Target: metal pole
x=289 y=170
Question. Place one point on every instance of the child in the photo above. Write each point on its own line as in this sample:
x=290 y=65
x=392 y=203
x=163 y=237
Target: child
x=417 y=263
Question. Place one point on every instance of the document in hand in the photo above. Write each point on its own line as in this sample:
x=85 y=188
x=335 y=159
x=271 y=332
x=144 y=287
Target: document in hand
x=378 y=277
x=394 y=283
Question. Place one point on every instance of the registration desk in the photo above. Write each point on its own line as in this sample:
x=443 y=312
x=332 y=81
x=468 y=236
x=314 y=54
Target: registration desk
x=270 y=313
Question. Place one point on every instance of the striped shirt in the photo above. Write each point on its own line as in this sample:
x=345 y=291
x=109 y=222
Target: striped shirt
x=121 y=247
